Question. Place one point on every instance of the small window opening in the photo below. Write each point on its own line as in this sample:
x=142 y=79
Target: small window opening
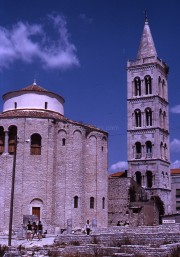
x=15 y=105
x=103 y=202
x=102 y=148
x=63 y=141
x=46 y=105
x=135 y=210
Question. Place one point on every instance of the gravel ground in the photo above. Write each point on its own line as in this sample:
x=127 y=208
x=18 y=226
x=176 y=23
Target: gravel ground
x=49 y=240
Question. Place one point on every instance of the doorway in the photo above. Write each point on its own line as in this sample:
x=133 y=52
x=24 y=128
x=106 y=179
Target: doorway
x=36 y=211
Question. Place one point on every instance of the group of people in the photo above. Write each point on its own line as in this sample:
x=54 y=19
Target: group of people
x=34 y=229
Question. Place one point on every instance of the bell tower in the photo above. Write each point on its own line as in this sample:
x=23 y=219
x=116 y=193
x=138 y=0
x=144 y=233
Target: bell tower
x=148 y=120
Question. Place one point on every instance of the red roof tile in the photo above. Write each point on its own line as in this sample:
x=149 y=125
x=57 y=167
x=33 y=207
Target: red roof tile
x=48 y=115
x=118 y=174
x=175 y=171
x=34 y=87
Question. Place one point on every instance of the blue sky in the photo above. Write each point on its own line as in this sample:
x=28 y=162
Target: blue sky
x=79 y=49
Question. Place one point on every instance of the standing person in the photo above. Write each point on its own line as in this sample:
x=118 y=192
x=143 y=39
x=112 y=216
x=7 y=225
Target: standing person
x=40 y=230
x=29 y=231
x=34 y=230
x=118 y=224
x=87 y=227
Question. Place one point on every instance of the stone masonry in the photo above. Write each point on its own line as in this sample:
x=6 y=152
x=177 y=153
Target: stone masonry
x=67 y=181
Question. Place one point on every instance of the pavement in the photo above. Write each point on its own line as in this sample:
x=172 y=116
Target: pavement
x=49 y=240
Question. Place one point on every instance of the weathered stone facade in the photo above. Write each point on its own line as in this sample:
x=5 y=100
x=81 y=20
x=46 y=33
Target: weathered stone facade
x=63 y=176
x=128 y=203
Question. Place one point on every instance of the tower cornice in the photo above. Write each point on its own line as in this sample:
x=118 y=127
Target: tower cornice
x=142 y=99
x=144 y=130
x=147 y=64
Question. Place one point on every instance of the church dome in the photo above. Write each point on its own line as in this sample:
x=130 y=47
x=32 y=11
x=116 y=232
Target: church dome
x=33 y=97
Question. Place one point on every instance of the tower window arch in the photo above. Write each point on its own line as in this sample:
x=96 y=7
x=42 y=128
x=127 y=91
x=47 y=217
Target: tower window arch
x=164 y=120
x=148 y=149
x=161 y=149
x=160 y=118
x=76 y=201
x=2 y=138
x=149 y=178
x=165 y=151
x=138 y=178
x=36 y=144
x=137 y=86
x=91 y=202
x=163 y=89
x=138 y=150
x=137 y=118
x=12 y=133
x=148 y=85
x=159 y=85
x=15 y=105
x=148 y=112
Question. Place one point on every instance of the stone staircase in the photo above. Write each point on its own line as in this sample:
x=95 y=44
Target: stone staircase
x=112 y=242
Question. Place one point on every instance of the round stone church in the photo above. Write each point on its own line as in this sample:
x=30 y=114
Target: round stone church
x=60 y=165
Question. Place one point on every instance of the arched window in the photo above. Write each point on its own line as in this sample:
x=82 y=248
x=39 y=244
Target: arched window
x=165 y=151
x=137 y=86
x=148 y=85
x=138 y=178
x=164 y=120
x=103 y=202
x=137 y=118
x=76 y=201
x=46 y=105
x=148 y=117
x=138 y=150
x=149 y=178
x=91 y=202
x=35 y=144
x=161 y=149
x=163 y=89
x=12 y=133
x=15 y=105
x=148 y=149
x=2 y=137
x=160 y=118
x=159 y=85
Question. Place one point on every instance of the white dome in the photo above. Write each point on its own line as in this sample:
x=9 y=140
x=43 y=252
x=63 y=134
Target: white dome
x=33 y=97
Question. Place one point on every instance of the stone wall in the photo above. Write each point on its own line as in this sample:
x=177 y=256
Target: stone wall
x=128 y=203
x=73 y=162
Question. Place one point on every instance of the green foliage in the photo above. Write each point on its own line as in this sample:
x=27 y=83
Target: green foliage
x=159 y=204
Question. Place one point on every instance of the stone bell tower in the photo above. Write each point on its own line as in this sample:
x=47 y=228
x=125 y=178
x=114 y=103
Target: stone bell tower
x=148 y=120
